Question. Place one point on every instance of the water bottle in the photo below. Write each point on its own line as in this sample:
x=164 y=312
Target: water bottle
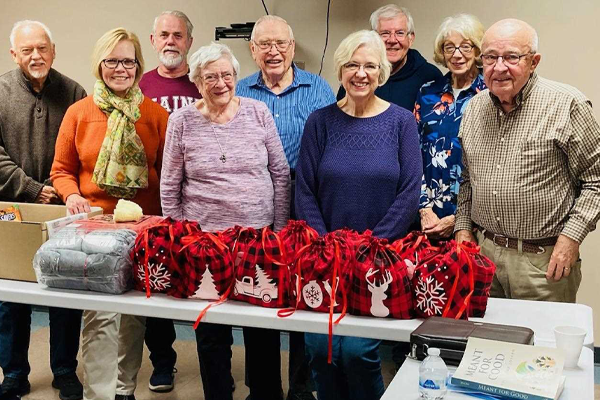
x=432 y=376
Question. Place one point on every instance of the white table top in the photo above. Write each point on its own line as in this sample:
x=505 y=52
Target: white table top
x=539 y=316
x=579 y=384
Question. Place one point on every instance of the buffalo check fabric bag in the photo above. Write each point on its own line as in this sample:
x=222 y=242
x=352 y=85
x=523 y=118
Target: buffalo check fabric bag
x=158 y=265
x=444 y=283
x=413 y=248
x=294 y=236
x=484 y=270
x=208 y=268
x=261 y=275
x=378 y=282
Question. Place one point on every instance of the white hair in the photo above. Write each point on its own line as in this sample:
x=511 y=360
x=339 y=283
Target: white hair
x=271 y=18
x=391 y=11
x=23 y=23
x=371 y=41
x=210 y=53
x=188 y=24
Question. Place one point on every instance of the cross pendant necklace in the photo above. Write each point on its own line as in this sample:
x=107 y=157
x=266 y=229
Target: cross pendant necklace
x=223 y=157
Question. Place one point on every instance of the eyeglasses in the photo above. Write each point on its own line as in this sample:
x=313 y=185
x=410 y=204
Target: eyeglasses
x=369 y=68
x=400 y=35
x=281 y=45
x=465 y=48
x=113 y=63
x=512 y=59
x=211 y=79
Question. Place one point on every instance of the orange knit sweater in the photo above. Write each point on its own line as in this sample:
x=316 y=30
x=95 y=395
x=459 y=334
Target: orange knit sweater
x=78 y=144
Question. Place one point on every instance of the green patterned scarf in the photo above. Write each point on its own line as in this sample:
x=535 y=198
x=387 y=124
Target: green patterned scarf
x=121 y=168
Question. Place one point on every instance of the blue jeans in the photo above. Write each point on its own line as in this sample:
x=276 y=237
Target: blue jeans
x=355 y=370
x=15 y=331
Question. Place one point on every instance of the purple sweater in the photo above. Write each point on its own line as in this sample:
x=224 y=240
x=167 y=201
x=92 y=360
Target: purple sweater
x=360 y=173
x=251 y=189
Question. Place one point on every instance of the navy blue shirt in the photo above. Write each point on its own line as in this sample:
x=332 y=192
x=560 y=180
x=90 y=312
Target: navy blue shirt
x=438 y=116
x=360 y=173
x=290 y=108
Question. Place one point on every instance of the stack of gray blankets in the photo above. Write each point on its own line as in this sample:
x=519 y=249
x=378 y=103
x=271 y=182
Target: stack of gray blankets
x=98 y=260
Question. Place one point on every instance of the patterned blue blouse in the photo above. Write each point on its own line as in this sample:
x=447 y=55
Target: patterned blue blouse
x=438 y=116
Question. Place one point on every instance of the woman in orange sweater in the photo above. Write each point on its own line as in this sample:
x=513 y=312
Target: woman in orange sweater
x=109 y=147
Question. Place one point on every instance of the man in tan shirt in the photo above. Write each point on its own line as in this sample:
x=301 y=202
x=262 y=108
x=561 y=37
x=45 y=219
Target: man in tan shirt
x=531 y=178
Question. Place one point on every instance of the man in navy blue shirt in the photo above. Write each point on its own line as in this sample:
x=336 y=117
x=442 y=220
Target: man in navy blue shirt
x=410 y=70
x=292 y=95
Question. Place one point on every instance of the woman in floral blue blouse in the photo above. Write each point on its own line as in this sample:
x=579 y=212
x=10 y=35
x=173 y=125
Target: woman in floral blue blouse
x=438 y=110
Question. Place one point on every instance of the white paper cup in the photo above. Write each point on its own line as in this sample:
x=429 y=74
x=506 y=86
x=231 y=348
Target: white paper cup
x=570 y=340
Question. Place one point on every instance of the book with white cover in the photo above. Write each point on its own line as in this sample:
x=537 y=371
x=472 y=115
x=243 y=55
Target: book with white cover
x=511 y=370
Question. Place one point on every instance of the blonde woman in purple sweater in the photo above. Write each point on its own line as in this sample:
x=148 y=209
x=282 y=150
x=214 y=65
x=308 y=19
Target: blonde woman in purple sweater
x=224 y=165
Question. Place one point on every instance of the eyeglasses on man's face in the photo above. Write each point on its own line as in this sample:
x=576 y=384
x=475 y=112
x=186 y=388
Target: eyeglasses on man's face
x=512 y=59
x=280 y=45
x=211 y=79
x=369 y=68
x=399 y=35
x=113 y=63
x=465 y=49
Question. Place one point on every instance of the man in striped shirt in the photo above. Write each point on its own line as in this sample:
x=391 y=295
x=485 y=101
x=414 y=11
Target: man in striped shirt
x=291 y=95
x=531 y=177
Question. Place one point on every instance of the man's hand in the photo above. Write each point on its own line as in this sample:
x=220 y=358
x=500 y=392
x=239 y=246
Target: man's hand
x=77 y=204
x=464 y=236
x=48 y=195
x=564 y=256
x=443 y=229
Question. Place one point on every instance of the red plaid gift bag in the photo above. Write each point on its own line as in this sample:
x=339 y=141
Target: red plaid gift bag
x=350 y=237
x=261 y=274
x=484 y=270
x=379 y=285
x=317 y=274
x=318 y=277
x=412 y=248
x=208 y=267
x=294 y=236
x=443 y=283
x=156 y=260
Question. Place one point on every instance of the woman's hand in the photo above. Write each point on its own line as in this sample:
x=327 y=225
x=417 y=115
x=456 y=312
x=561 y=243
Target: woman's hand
x=443 y=229
x=428 y=219
x=77 y=204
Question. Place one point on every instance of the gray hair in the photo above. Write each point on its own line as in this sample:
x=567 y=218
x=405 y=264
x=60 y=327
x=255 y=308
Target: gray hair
x=25 y=22
x=271 y=18
x=188 y=24
x=466 y=25
x=391 y=11
x=210 y=53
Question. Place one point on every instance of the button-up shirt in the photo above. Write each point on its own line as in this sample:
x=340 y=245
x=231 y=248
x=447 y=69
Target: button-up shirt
x=290 y=108
x=438 y=115
x=533 y=172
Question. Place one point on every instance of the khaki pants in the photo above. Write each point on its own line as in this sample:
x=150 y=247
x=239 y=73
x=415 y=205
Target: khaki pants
x=112 y=349
x=521 y=275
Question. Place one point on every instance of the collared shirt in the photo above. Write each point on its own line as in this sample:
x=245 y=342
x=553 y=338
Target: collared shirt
x=438 y=115
x=533 y=172
x=290 y=108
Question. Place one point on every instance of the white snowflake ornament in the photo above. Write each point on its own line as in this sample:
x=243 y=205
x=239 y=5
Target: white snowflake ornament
x=158 y=276
x=431 y=296
x=312 y=294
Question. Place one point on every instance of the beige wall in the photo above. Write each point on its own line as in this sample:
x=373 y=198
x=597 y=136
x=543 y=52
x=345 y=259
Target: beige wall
x=567 y=31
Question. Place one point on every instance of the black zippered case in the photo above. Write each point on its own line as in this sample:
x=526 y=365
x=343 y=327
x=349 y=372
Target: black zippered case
x=450 y=336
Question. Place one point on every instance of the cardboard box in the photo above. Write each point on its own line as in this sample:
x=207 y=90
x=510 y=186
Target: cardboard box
x=20 y=240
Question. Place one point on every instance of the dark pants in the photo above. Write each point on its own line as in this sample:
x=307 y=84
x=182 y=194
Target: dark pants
x=263 y=363
x=15 y=332
x=160 y=336
x=213 y=342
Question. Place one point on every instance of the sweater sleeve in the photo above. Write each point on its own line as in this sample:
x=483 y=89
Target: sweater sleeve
x=403 y=211
x=66 y=165
x=15 y=185
x=307 y=183
x=280 y=172
x=172 y=172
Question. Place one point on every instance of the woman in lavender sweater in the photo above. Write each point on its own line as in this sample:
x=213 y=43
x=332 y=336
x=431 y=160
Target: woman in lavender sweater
x=359 y=167
x=224 y=165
